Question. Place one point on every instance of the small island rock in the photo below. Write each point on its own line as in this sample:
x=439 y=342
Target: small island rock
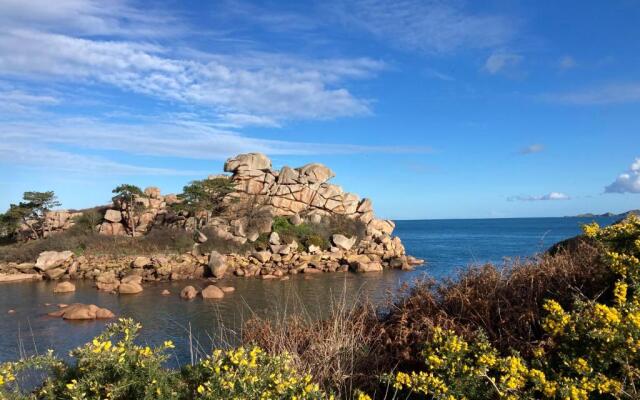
x=64 y=287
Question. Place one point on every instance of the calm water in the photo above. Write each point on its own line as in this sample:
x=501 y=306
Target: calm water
x=447 y=245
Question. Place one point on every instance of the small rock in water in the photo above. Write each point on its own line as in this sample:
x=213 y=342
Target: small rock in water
x=130 y=288
x=80 y=311
x=227 y=289
x=62 y=305
x=64 y=287
x=212 y=292
x=189 y=293
x=284 y=278
x=165 y=292
x=11 y=311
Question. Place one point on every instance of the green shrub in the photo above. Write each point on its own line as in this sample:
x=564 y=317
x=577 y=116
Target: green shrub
x=590 y=350
x=114 y=367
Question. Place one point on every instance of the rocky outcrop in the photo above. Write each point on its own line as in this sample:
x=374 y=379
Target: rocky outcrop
x=302 y=195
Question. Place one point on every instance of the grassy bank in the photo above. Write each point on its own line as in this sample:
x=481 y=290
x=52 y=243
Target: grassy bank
x=565 y=326
x=82 y=239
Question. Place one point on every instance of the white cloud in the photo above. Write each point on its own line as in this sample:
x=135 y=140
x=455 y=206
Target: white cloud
x=532 y=149
x=546 y=197
x=87 y=18
x=616 y=93
x=17 y=101
x=431 y=26
x=30 y=156
x=272 y=90
x=500 y=61
x=627 y=182
x=567 y=62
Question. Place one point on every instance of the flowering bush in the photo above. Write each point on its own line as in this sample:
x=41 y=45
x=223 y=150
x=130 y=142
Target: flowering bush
x=245 y=373
x=591 y=351
x=113 y=366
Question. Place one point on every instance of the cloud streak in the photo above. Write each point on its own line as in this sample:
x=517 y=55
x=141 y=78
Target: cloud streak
x=531 y=149
x=432 y=26
x=553 y=196
x=615 y=93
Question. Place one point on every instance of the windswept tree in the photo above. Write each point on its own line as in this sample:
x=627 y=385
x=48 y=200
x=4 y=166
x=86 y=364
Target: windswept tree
x=201 y=197
x=128 y=195
x=30 y=212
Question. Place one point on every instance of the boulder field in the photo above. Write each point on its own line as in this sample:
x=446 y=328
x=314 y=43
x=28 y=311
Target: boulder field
x=300 y=195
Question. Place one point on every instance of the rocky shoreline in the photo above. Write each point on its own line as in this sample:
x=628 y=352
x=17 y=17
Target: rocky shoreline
x=299 y=197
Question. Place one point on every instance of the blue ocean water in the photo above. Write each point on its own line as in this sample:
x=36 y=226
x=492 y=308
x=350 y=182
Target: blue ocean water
x=448 y=245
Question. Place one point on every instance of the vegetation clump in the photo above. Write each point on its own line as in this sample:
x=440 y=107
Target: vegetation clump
x=113 y=366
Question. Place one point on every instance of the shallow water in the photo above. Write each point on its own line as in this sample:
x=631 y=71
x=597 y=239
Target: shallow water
x=447 y=245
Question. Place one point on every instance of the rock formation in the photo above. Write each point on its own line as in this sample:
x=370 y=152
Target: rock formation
x=301 y=195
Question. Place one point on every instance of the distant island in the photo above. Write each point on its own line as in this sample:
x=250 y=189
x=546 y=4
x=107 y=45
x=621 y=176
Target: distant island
x=606 y=215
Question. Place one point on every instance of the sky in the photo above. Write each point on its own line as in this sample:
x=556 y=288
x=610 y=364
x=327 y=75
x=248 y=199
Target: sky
x=433 y=109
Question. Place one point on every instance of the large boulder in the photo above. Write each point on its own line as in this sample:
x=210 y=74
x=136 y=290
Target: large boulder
x=82 y=312
x=217 y=264
x=343 y=242
x=141 y=262
x=212 y=292
x=316 y=173
x=64 y=287
x=189 y=293
x=55 y=273
x=52 y=259
x=251 y=161
x=113 y=216
x=152 y=192
x=130 y=288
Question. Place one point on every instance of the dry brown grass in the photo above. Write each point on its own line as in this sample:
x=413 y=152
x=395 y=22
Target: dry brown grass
x=357 y=343
x=338 y=350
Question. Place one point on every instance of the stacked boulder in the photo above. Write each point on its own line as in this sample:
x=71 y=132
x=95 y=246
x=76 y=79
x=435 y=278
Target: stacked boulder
x=292 y=191
x=118 y=221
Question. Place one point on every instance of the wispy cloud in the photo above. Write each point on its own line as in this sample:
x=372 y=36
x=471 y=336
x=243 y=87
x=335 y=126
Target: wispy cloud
x=553 y=196
x=431 y=26
x=532 y=149
x=628 y=181
x=615 y=93
x=501 y=61
x=567 y=62
x=271 y=89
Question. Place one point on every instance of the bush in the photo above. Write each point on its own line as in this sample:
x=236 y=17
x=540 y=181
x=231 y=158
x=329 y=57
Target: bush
x=589 y=349
x=80 y=241
x=320 y=234
x=114 y=367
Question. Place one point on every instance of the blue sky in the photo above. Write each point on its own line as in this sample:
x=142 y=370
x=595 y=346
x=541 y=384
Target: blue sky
x=434 y=109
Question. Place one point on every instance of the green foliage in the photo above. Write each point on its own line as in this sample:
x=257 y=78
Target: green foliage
x=114 y=367
x=128 y=194
x=30 y=212
x=87 y=221
x=204 y=195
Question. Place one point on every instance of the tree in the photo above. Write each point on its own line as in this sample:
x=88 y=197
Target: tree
x=128 y=194
x=31 y=212
x=200 y=197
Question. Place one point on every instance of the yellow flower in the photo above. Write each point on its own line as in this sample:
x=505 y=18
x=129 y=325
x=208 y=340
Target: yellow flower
x=620 y=292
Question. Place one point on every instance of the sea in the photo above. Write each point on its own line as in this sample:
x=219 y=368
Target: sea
x=198 y=326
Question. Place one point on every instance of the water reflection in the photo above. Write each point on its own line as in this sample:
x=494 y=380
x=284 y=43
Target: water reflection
x=210 y=322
